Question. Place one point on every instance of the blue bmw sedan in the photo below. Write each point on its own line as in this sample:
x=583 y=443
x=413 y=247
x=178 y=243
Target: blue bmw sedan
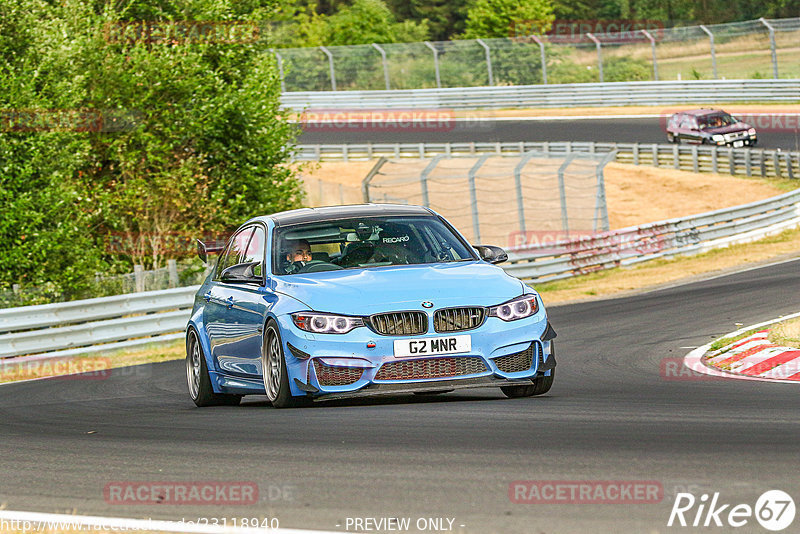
x=327 y=303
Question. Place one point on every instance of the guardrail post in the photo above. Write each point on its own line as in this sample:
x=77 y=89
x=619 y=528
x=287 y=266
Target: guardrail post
x=280 y=69
x=172 y=268
x=636 y=153
x=653 y=48
x=762 y=163
x=330 y=66
x=562 y=192
x=676 y=157
x=473 y=195
x=599 y=54
x=518 y=185
x=776 y=163
x=544 y=59
x=695 y=162
x=345 y=152
x=789 y=170
x=732 y=161
x=368 y=178
x=423 y=179
x=655 y=155
x=385 y=64
x=771 y=46
x=138 y=276
x=714 y=166
x=748 y=164
x=435 y=63
x=488 y=60
x=713 y=50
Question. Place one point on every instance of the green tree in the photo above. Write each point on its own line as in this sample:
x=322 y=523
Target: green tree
x=371 y=21
x=499 y=18
x=201 y=145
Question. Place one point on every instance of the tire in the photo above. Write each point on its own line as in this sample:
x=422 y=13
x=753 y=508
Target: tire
x=274 y=373
x=200 y=390
x=540 y=386
x=671 y=138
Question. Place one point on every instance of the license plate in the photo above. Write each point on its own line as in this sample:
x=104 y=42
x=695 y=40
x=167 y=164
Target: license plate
x=431 y=346
x=738 y=144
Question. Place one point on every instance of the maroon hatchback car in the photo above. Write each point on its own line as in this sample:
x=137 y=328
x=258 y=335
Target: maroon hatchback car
x=709 y=126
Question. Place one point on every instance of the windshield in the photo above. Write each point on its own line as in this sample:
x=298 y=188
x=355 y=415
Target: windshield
x=365 y=242
x=716 y=121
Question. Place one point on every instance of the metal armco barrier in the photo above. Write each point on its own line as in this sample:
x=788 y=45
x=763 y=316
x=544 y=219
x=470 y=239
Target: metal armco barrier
x=552 y=96
x=695 y=158
x=553 y=261
x=132 y=319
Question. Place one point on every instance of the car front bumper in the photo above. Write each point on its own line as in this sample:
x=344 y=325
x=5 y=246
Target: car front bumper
x=334 y=366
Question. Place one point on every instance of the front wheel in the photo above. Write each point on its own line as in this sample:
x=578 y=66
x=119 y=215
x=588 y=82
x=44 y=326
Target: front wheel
x=540 y=386
x=273 y=366
x=199 y=383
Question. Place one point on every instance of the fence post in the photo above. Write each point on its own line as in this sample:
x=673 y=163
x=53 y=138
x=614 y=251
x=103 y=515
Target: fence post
x=599 y=54
x=330 y=66
x=385 y=64
x=518 y=185
x=771 y=46
x=601 y=206
x=368 y=178
x=544 y=59
x=562 y=192
x=473 y=194
x=653 y=48
x=423 y=179
x=488 y=60
x=280 y=69
x=435 y=63
x=138 y=276
x=713 y=50
x=172 y=268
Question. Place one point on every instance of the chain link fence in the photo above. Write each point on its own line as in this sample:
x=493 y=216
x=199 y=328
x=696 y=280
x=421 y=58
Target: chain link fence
x=740 y=50
x=512 y=201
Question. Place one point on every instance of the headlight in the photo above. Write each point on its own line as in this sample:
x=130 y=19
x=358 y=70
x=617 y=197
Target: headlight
x=717 y=137
x=324 y=323
x=519 y=308
x=751 y=131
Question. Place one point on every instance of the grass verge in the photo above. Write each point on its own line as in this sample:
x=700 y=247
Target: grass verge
x=786 y=334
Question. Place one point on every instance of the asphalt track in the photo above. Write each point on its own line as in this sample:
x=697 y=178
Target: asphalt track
x=620 y=130
x=611 y=415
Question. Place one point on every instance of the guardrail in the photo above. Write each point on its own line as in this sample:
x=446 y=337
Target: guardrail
x=690 y=235
x=95 y=324
x=552 y=96
x=695 y=158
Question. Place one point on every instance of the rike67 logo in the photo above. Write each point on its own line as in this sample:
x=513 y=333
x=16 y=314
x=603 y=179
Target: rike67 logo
x=774 y=510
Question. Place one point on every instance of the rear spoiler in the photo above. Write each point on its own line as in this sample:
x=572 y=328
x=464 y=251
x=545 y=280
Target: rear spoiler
x=204 y=249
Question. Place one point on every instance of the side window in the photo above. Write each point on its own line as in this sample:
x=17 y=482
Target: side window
x=686 y=122
x=255 y=251
x=234 y=251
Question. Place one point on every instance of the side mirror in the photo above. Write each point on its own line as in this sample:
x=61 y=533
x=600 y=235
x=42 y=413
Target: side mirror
x=491 y=253
x=242 y=273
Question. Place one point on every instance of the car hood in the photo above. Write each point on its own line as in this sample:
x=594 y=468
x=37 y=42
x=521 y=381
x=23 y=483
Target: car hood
x=738 y=127
x=377 y=289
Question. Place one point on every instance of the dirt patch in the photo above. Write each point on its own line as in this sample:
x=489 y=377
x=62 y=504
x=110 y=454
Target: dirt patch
x=635 y=194
x=786 y=334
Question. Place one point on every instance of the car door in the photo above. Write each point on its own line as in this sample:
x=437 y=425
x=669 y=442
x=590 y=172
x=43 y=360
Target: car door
x=246 y=308
x=220 y=317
